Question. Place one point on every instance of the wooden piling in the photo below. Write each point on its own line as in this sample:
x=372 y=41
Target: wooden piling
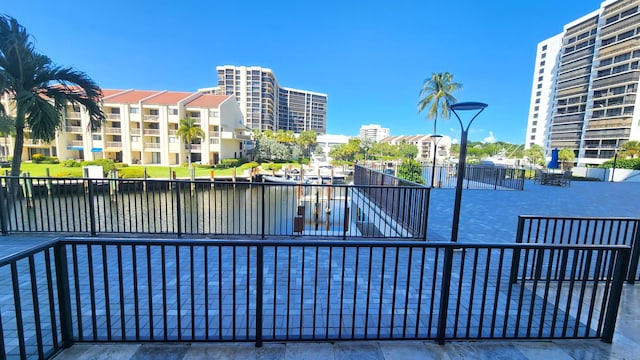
x=144 y=176
x=49 y=181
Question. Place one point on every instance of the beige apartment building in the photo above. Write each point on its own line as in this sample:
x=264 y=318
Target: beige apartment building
x=426 y=146
x=141 y=128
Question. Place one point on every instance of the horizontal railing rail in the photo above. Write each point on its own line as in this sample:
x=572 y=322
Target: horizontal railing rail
x=114 y=290
x=212 y=208
x=583 y=231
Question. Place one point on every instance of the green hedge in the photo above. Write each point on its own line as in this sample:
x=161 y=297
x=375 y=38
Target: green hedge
x=131 y=173
x=107 y=164
x=631 y=164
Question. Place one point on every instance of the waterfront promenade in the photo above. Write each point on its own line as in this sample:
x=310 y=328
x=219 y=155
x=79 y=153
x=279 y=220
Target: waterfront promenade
x=487 y=216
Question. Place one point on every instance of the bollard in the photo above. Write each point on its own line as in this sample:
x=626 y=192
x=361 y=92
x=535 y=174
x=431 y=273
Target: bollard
x=144 y=182
x=49 y=181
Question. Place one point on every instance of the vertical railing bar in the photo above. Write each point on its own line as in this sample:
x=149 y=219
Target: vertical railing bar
x=546 y=292
x=583 y=287
x=406 y=292
x=248 y=292
x=382 y=272
x=596 y=280
x=472 y=290
x=275 y=288
x=18 y=309
x=107 y=301
x=329 y=277
x=539 y=258
x=136 y=306
x=459 y=294
x=444 y=294
x=420 y=289
x=163 y=271
x=206 y=292
x=52 y=305
x=621 y=266
x=36 y=305
x=497 y=294
x=150 y=292
x=178 y=299
x=76 y=282
x=572 y=279
x=260 y=293
x=192 y=291
x=485 y=290
x=121 y=290
x=234 y=271
x=220 y=292
x=315 y=293
x=560 y=280
x=515 y=263
x=521 y=293
x=355 y=292
x=92 y=289
x=366 y=316
x=608 y=291
x=434 y=279
x=342 y=268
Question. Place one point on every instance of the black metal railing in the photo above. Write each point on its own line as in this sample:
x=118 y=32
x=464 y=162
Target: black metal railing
x=203 y=207
x=206 y=290
x=476 y=176
x=583 y=231
x=405 y=202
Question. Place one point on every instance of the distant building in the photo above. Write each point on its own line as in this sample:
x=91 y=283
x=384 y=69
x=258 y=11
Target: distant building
x=373 y=132
x=584 y=94
x=141 y=128
x=326 y=142
x=425 y=145
x=268 y=106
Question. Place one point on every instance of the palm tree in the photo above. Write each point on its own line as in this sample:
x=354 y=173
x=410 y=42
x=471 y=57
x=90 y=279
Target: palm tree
x=630 y=149
x=189 y=131
x=39 y=89
x=436 y=94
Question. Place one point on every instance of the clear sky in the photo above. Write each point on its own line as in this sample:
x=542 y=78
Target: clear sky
x=370 y=57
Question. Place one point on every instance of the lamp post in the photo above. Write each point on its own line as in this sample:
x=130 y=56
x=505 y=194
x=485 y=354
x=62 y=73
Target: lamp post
x=463 y=106
x=615 y=160
x=435 y=153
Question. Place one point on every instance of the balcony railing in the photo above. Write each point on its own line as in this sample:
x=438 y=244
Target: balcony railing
x=114 y=144
x=172 y=132
x=113 y=116
x=151 y=131
x=74 y=129
x=35 y=142
x=152 y=145
x=196 y=147
x=76 y=143
x=112 y=130
x=134 y=131
x=153 y=118
x=214 y=134
x=74 y=114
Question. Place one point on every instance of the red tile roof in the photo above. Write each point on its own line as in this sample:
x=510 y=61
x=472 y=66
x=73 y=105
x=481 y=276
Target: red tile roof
x=109 y=92
x=207 y=101
x=168 y=98
x=129 y=97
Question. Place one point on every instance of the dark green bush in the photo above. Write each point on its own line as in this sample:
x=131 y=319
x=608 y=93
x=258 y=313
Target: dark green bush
x=70 y=163
x=131 y=173
x=227 y=163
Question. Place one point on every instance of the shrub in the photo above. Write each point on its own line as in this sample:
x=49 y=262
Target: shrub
x=43 y=159
x=227 y=163
x=411 y=170
x=37 y=158
x=107 y=164
x=120 y=165
x=204 y=166
x=271 y=167
x=70 y=163
x=249 y=165
x=131 y=173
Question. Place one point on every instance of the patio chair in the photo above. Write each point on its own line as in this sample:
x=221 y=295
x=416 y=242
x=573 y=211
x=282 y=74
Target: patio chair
x=566 y=178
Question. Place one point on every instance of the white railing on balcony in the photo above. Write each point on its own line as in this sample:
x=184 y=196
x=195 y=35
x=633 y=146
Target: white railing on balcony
x=152 y=145
x=114 y=144
x=214 y=133
x=234 y=135
x=194 y=147
x=112 y=130
x=173 y=132
x=74 y=129
x=34 y=142
x=73 y=114
x=150 y=117
x=113 y=116
x=151 y=131
x=135 y=131
x=76 y=143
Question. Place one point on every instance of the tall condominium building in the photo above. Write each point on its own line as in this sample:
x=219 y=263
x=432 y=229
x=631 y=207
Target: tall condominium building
x=373 y=132
x=268 y=106
x=590 y=106
x=141 y=128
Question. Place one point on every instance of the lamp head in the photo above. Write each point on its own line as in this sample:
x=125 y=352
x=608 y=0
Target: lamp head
x=470 y=105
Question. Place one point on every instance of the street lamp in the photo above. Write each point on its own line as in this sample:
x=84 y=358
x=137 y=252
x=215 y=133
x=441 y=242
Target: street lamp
x=615 y=160
x=463 y=106
x=435 y=153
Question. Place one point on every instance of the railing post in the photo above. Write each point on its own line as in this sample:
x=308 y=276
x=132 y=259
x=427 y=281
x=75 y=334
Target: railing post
x=262 y=209
x=613 y=303
x=92 y=215
x=64 y=295
x=259 y=290
x=346 y=212
x=178 y=210
x=426 y=213
x=635 y=255
x=444 y=294
x=4 y=208
x=515 y=260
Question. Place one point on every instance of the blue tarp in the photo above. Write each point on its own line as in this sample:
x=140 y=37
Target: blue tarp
x=553 y=164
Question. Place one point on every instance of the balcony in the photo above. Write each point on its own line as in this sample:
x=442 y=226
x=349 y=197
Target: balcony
x=34 y=142
x=74 y=114
x=152 y=145
x=151 y=118
x=230 y=135
x=74 y=129
x=112 y=130
x=196 y=147
x=76 y=143
x=151 y=131
x=172 y=132
x=113 y=116
x=214 y=134
x=114 y=144
x=135 y=131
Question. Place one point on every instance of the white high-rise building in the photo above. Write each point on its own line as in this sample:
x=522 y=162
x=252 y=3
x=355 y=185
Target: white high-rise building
x=373 y=132
x=268 y=106
x=591 y=105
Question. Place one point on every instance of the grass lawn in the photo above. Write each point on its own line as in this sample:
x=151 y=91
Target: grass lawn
x=153 y=172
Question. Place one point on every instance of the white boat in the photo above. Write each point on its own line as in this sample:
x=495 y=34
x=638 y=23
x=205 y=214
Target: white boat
x=285 y=180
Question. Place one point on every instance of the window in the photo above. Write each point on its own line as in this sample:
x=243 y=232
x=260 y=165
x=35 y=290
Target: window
x=134 y=110
x=173 y=111
x=605 y=62
x=154 y=112
x=542 y=63
x=97 y=137
x=544 y=47
x=535 y=116
x=537 y=101
x=214 y=113
x=540 y=78
x=135 y=139
x=115 y=111
x=534 y=123
x=536 y=108
x=544 y=55
x=538 y=93
x=533 y=137
x=173 y=139
x=539 y=86
x=533 y=130
x=541 y=71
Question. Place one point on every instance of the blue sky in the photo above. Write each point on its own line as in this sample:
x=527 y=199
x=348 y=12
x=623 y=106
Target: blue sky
x=370 y=57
